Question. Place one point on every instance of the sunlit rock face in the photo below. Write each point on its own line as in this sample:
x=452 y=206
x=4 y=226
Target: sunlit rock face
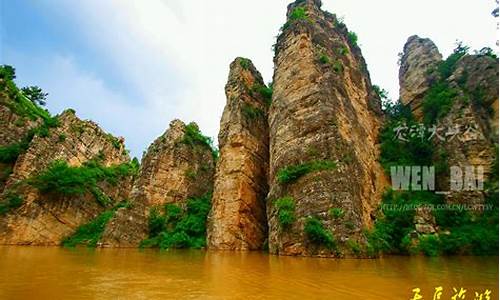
x=238 y=217
x=45 y=219
x=420 y=58
x=173 y=170
x=324 y=117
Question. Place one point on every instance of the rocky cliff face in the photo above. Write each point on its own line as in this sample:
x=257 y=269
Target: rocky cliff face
x=46 y=218
x=238 y=217
x=324 y=121
x=14 y=127
x=467 y=127
x=420 y=56
x=177 y=166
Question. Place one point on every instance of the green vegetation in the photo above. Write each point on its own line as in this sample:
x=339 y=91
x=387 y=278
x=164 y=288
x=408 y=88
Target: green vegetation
x=24 y=108
x=61 y=138
x=317 y=234
x=438 y=102
x=11 y=201
x=191 y=174
x=487 y=51
x=382 y=93
x=342 y=50
x=251 y=112
x=179 y=228
x=416 y=150
x=194 y=137
x=245 y=63
x=336 y=213
x=265 y=91
x=20 y=104
x=353 y=38
x=35 y=95
x=292 y=173
x=324 y=59
x=90 y=233
x=286 y=211
x=440 y=97
x=337 y=66
x=354 y=246
x=461 y=232
x=299 y=13
x=61 y=179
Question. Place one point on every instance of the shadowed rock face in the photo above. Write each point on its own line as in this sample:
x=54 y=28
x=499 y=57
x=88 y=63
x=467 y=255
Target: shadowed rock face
x=171 y=172
x=323 y=110
x=238 y=217
x=46 y=219
x=420 y=56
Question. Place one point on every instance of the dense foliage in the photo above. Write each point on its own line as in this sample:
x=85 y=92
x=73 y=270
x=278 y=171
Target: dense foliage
x=317 y=234
x=194 y=137
x=11 y=201
x=176 y=227
x=61 y=179
x=293 y=173
x=90 y=233
x=285 y=208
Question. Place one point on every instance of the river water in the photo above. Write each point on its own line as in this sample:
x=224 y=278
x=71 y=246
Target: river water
x=58 y=273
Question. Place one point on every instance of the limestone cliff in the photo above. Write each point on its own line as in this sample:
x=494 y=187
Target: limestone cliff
x=420 y=57
x=178 y=165
x=238 y=217
x=45 y=218
x=324 y=119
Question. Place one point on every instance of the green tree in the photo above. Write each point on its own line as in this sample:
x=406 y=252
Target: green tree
x=7 y=72
x=35 y=94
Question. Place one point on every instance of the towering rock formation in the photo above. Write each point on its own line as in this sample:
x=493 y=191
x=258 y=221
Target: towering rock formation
x=46 y=218
x=178 y=165
x=467 y=130
x=420 y=57
x=324 y=121
x=238 y=217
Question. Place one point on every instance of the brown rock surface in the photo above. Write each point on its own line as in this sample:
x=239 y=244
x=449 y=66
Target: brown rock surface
x=237 y=220
x=419 y=56
x=46 y=219
x=171 y=171
x=323 y=109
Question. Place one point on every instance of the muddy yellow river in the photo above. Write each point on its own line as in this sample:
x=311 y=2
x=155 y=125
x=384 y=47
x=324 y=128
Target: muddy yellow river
x=57 y=273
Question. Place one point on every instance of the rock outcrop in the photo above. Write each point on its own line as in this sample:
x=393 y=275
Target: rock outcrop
x=324 y=121
x=467 y=132
x=420 y=57
x=178 y=165
x=46 y=218
x=238 y=217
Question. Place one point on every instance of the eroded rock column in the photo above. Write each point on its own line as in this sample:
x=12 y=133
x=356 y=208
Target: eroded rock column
x=238 y=217
x=324 y=121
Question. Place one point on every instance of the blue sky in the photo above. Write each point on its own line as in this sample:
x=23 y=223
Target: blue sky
x=133 y=66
